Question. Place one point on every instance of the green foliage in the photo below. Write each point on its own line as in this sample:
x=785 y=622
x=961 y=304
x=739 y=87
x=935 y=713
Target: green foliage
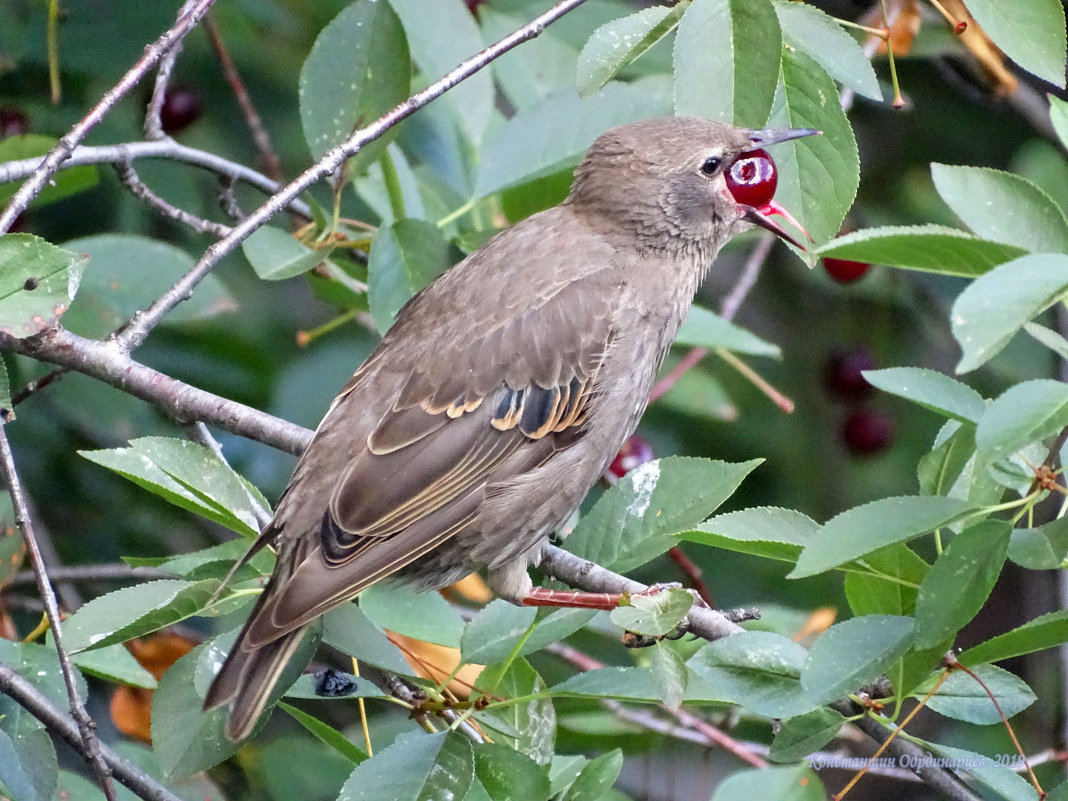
x=920 y=536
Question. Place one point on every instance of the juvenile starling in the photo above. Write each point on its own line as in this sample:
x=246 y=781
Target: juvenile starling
x=501 y=392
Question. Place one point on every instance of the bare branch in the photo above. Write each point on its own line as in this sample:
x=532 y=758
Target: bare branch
x=33 y=700
x=112 y=572
x=134 y=334
x=61 y=152
x=162 y=149
x=140 y=190
x=153 y=122
x=90 y=746
x=178 y=400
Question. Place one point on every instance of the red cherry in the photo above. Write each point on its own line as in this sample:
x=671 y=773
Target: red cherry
x=13 y=122
x=844 y=270
x=843 y=373
x=752 y=178
x=635 y=451
x=866 y=432
x=181 y=108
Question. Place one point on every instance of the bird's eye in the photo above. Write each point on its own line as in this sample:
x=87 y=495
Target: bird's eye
x=710 y=165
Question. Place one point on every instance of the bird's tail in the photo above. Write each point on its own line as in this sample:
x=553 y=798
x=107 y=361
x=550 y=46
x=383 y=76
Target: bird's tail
x=250 y=672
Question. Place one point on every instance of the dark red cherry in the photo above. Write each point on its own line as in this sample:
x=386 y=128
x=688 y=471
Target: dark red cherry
x=843 y=374
x=752 y=178
x=635 y=451
x=867 y=432
x=181 y=108
x=13 y=122
x=845 y=270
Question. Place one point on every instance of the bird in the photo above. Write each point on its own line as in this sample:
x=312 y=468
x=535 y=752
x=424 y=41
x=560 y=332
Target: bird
x=500 y=393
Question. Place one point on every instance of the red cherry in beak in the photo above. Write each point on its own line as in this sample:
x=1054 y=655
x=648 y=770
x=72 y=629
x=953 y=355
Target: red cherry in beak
x=752 y=178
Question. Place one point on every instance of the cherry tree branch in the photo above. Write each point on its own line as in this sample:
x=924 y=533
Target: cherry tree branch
x=187 y=20
x=143 y=323
x=34 y=701
x=90 y=745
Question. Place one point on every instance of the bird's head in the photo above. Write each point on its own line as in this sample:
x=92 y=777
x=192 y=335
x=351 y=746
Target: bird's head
x=682 y=182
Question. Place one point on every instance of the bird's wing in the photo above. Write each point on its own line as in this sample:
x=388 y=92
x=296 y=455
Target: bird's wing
x=463 y=421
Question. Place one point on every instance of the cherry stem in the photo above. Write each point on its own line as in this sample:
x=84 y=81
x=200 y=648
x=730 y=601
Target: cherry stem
x=959 y=26
x=898 y=101
x=757 y=380
x=572 y=599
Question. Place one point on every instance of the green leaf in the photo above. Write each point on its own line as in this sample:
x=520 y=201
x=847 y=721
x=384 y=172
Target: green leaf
x=28 y=766
x=995 y=306
x=1025 y=413
x=795 y=783
x=960 y=581
x=800 y=735
x=1058 y=116
x=134 y=611
x=671 y=675
x=37 y=283
x=1045 y=631
x=415 y=767
x=818 y=175
x=767 y=532
x=939 y=470
x=325 y=734
x=819 y=36
x=508 y=774
x=126 y=273
x=349 y=630
x=405 y=256
x=189 y=476
x=114 y=663
x=928 y=248
x=962 y=697
x=757 y=670
x=706 y=329
x=618 y=43
x=1048 y=337
x=528 y=726
x=1003 y=207
x=726 y=61
x=64 y=183
x=596 y=777
x=437 y=52
x=422 y=615
x=655 y=614
x=890 y=586
x=554 y=134
x=357 y=70
x=930 y=389
x=275 y=255
x=307 y=686
x=641 y=516
x=852 y=653
x=1032 y=34
x=1042 y=548
x=867 y=528
x=7 y=414
x=494 y=632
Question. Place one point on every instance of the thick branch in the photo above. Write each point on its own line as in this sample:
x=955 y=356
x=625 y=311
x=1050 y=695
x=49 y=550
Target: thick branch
x=178 y=400
x=31 y=699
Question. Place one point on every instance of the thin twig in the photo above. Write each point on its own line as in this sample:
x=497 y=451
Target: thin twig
x=132 y=336
x=163 y=149
x=140 y=190
x=199 y=433
x=111 y=572
x=90 y=744
x=61 y=152
x=271 y=163
x=33 y=700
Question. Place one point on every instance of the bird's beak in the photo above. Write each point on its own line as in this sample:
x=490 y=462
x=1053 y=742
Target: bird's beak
x=762 y=216
x=772 y=136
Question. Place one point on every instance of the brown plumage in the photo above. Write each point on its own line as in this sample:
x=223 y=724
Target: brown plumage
x=500 y=394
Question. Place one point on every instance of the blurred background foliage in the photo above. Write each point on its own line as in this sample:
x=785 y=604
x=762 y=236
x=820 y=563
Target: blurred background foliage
x=955 y=113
